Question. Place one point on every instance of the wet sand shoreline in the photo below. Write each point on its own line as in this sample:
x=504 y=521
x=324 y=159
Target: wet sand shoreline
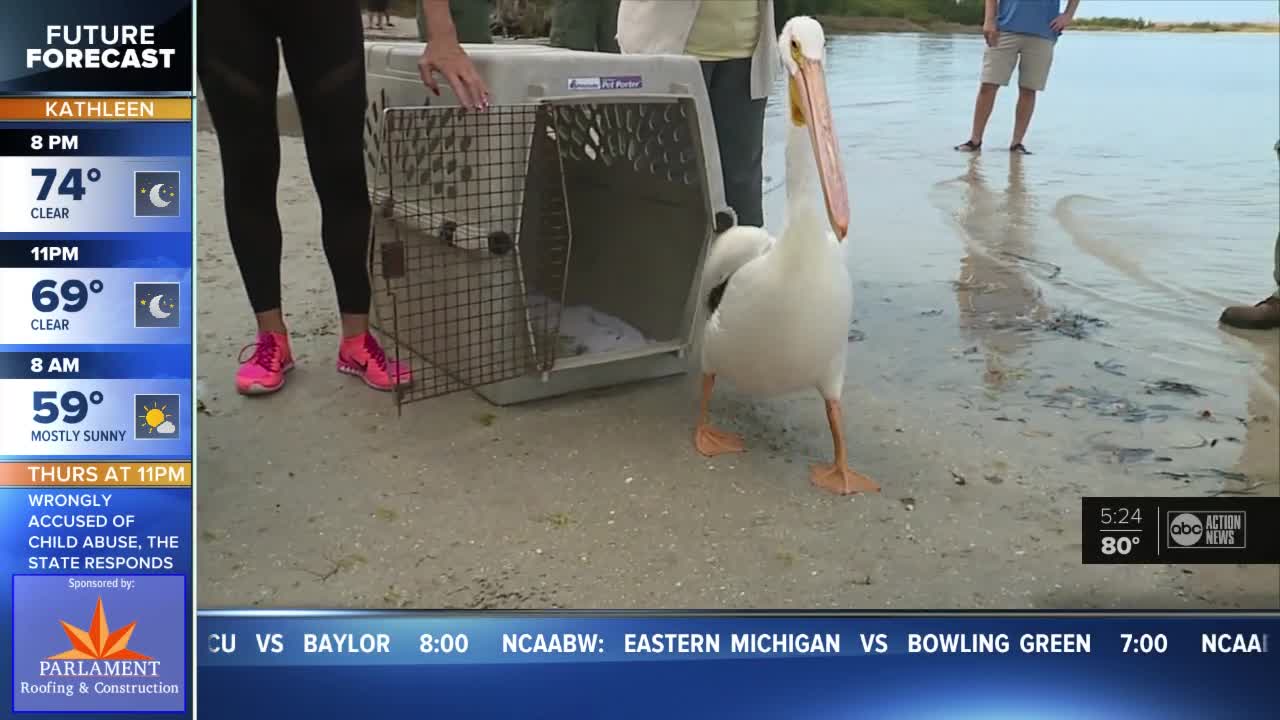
x=322 y=496
x=970 y=399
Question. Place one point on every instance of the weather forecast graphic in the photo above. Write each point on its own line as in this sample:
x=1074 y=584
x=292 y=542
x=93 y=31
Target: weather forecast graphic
x=96 y=357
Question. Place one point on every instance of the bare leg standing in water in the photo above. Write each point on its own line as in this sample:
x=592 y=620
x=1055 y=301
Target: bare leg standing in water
x=1022 y=34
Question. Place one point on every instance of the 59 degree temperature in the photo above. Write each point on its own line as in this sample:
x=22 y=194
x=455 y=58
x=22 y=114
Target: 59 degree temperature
x=71 y=407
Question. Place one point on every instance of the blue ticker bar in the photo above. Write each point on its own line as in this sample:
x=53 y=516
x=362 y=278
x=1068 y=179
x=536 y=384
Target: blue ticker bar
x=458 y=665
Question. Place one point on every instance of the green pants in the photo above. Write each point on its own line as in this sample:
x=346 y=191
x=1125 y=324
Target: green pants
x=590 y=25
x=470 y=17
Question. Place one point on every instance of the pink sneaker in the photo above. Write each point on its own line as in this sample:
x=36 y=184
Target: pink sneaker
x=263 y=372
x=364 y=358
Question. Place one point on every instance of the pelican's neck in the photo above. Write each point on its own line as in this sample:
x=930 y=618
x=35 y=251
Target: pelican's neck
x=805 y=226
x=804 y=194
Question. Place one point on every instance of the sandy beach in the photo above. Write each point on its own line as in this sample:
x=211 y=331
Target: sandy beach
x=983 y=409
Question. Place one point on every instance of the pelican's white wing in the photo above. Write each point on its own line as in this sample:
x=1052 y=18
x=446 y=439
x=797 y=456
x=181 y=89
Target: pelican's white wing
x=734 y=248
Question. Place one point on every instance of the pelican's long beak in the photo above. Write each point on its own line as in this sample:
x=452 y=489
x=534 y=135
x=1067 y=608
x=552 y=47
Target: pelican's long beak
x=822 y=133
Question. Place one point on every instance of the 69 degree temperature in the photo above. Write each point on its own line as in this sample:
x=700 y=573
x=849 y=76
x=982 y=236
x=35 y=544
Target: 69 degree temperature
x=69 y=296
x=71 y=407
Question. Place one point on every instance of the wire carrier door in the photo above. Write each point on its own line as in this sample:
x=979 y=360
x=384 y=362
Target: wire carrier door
x=474 y=235
x=470 y=242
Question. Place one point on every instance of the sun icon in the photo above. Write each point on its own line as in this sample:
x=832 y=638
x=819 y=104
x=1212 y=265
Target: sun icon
x=155 y=418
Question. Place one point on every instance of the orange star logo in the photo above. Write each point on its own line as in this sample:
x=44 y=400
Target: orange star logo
x=98 y=643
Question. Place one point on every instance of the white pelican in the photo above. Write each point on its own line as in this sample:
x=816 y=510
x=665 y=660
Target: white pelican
x=780 y=309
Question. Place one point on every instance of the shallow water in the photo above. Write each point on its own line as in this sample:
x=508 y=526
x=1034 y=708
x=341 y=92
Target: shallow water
x=1154 y=159
x=1150 y=203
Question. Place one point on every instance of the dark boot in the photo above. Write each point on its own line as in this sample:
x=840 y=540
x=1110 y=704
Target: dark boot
x=1263 y=316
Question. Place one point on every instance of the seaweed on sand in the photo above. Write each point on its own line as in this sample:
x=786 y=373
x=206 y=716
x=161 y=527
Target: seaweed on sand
x=1100 y=402
x=1110 y=366
x=1245 y=486
x=1072 y=324
x=1077 y=326
x=1117 y=453
x=1175 y=387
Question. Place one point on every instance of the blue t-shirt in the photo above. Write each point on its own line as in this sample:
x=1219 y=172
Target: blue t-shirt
x=1029 y=17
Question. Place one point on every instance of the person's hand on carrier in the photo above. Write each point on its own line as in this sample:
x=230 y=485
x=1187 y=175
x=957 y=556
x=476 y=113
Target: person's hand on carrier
x=444 y=55
x=452 y=62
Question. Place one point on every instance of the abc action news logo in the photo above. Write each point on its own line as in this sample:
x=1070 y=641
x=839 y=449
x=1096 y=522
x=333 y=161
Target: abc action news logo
x=1195 y=529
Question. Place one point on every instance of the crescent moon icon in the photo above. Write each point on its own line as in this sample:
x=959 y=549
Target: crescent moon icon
x=155 y=196
x=156 y=311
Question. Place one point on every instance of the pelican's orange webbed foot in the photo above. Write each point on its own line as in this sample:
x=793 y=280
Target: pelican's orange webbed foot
x=712 y=442
x=841 y=480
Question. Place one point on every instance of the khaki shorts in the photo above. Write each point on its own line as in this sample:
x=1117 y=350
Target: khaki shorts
x=1032 y=54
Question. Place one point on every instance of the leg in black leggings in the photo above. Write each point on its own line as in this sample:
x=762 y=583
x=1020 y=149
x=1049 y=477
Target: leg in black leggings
x=239 y=65
x=324 y=54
